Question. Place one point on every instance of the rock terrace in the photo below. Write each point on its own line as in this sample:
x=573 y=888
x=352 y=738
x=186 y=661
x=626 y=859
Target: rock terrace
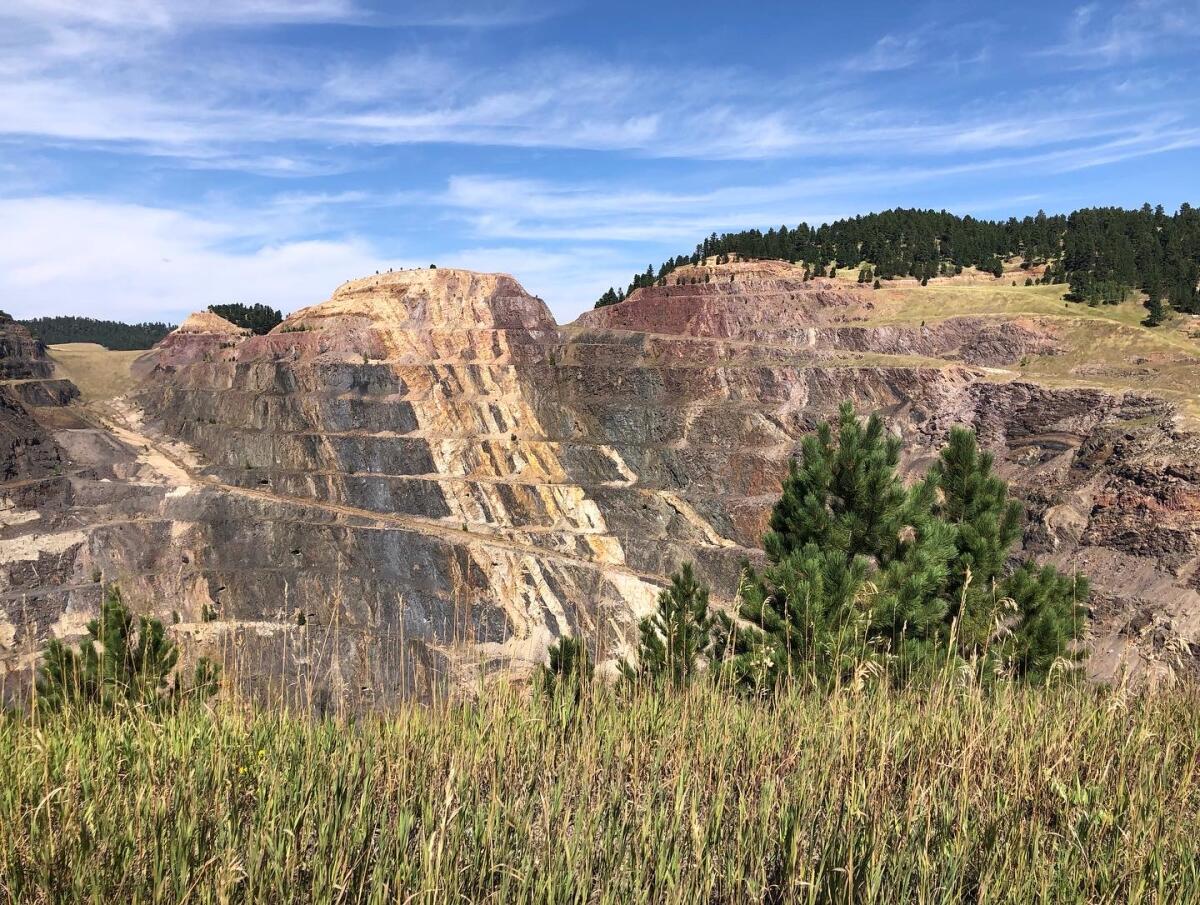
x=424 y=479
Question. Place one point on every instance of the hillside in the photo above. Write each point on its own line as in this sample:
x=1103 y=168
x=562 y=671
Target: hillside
x=1104 y=255
x=99 y=373
x=1106 y=346
x=424 y=478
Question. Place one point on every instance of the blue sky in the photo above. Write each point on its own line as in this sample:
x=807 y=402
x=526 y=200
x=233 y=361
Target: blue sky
x=160 y=155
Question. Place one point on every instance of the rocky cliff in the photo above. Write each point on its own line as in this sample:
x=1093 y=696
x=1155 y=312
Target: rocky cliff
x=424 y=480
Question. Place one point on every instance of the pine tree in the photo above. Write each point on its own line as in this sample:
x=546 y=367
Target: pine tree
x=1155 y=313
x=113 y=335
x=569 y=671
x=1048 y=610
x=118 y=663
x=987 y=524
x=675 y=640
x=608 y=298
x=844 y=517
x=866 y=573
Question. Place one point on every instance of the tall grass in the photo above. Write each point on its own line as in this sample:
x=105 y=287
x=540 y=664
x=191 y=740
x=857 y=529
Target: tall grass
x=1008 y=795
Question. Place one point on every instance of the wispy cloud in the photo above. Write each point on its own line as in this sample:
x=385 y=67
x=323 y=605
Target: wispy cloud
x=280 y=110
x=182 y=14
x=530 y=209
x=1094 y=37
x=889 y=53
x=168 y=14
x=560 y=104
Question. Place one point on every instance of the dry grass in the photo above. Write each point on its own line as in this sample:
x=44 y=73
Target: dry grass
x=98 y=372
x=1014 y=795
x=1106 y=346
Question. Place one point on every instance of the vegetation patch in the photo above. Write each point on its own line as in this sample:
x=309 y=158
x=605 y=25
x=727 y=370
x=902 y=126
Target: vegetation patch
x=944 y=794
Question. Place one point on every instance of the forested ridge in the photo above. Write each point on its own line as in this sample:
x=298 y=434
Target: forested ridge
x=114 y=335
x=1102 y=253
x=258 y=318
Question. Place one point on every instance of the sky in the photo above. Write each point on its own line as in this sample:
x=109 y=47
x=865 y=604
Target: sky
x=158 y=156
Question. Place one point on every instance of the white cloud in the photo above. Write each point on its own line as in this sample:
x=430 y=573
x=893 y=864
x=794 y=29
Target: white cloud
x=72 y=256
x=200 y=84
x=90 y=74
x=131 y=262
x=540 y=210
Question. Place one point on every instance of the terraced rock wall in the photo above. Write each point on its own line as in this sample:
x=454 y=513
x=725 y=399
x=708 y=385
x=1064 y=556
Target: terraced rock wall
x=424 y=481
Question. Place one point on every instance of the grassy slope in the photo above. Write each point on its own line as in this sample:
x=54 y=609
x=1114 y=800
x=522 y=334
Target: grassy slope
x=1018 y=796
x=98 y=372
x=1106 y=346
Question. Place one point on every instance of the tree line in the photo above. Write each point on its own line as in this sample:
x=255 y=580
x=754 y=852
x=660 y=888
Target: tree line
x=114 y=335
x=122 y=337
x=1102 y=253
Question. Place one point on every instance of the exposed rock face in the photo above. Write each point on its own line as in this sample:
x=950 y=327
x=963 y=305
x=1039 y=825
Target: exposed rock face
x=21 y=356
x=765 y=303
x=424 y=479
x=26 y=379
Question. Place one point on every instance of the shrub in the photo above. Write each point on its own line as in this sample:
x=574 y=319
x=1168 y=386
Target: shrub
x=569 y=671
x=117 y=664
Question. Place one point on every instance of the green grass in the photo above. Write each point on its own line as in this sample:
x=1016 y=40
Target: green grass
x=1015 y=795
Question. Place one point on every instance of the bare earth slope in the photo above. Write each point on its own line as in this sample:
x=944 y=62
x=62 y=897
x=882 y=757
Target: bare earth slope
x=425 y=479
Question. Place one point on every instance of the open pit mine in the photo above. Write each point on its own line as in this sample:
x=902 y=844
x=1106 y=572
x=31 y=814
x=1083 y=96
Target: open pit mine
x=419 y=484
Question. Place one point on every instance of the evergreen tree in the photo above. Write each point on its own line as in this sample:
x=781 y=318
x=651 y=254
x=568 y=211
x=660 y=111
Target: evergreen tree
x=1048 y=610
x=609 y=298
x=1155 y=313
x=987 y=525
x=868 y=574
x=118 y=663
x=675 y=640
x=569 y=671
